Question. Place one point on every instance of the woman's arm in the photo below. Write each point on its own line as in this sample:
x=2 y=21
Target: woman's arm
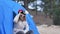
x=16 y=18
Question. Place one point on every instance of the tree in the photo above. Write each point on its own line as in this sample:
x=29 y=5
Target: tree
x=53 y=9
x=26 y=3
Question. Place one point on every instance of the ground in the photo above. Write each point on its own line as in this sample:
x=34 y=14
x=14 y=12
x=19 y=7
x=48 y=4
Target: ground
x=44 y=29
x=41 y=19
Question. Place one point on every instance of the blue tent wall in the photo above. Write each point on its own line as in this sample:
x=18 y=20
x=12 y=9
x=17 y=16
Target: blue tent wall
x=31 y=24
x=13 y=5
x=1 y=20
x=7 y=20
x=7 y=11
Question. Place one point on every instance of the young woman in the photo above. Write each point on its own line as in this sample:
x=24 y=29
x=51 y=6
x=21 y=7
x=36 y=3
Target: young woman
x=21 y=26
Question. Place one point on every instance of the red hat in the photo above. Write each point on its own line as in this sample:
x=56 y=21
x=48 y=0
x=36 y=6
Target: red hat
x=20 y=11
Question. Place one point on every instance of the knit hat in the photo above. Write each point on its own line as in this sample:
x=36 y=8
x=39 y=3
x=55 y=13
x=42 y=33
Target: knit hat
x=20 y=11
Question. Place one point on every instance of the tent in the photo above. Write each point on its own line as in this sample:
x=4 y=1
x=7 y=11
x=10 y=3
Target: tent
x=7 y=7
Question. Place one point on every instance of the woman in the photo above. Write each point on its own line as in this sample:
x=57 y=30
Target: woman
x=21 y=24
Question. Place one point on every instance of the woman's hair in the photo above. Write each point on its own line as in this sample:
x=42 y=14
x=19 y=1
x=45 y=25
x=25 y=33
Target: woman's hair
x=23 y=13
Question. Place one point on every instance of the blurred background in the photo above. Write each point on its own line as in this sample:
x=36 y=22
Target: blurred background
x=46 y=13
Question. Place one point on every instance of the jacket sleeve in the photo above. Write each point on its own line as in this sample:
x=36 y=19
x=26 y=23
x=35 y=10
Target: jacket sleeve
x=16 y=18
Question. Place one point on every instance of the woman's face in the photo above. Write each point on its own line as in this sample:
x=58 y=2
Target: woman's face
x=22 y=17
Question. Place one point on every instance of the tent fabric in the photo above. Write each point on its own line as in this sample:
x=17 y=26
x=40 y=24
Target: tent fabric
x=14 y=6
x=1 y=20
x=31 y=23
x=7 y=7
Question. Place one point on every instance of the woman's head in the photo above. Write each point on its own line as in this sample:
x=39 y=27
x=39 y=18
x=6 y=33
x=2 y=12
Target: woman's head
x=22 y=15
